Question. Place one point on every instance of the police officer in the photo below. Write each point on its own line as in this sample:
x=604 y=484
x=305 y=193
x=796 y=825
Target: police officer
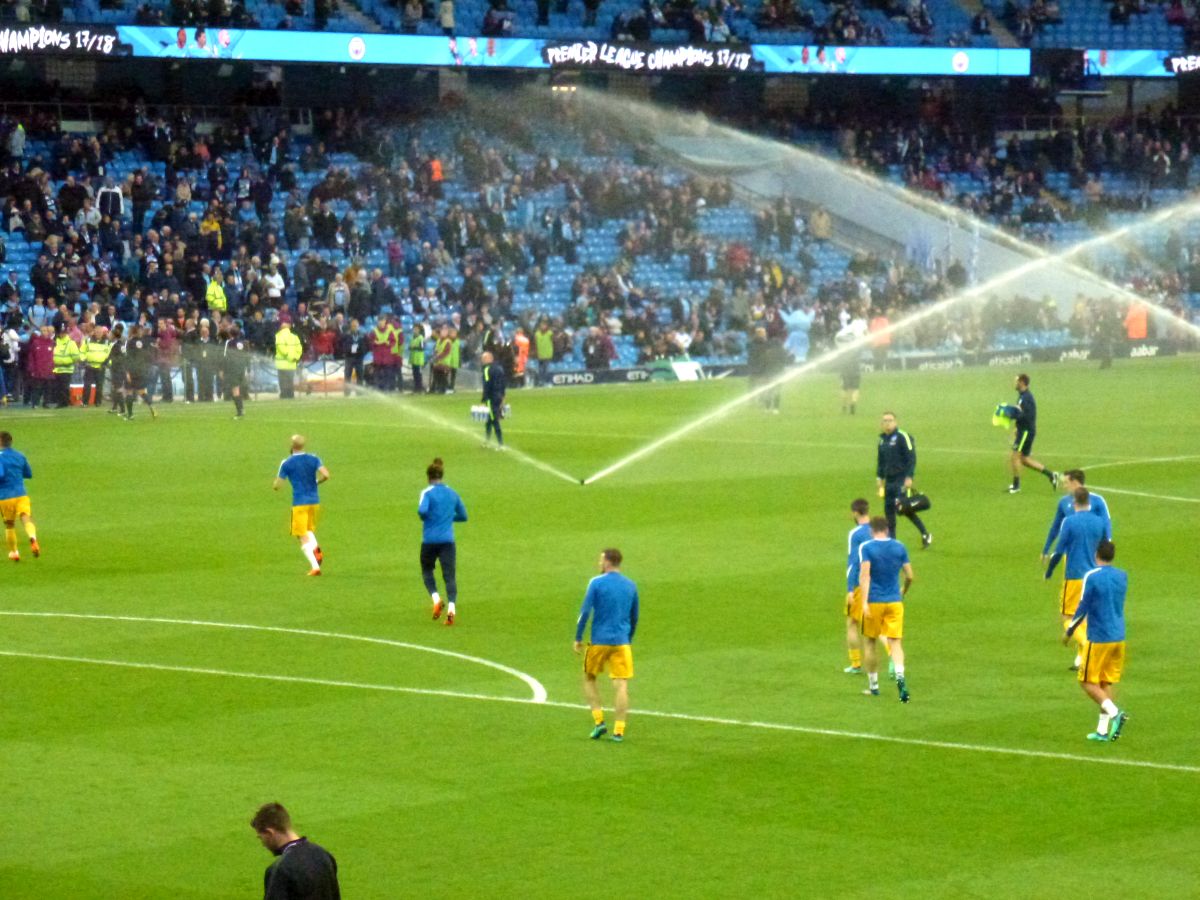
x=66 y=354
x=894 y=469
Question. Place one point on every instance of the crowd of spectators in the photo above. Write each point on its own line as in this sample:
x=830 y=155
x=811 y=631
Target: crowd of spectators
x=187 y=245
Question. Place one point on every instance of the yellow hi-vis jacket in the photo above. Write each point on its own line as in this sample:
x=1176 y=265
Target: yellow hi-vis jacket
x=66 y=354
x=95 y=353
x=288 y=350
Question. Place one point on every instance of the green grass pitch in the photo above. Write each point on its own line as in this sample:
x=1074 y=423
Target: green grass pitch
x=139 y=782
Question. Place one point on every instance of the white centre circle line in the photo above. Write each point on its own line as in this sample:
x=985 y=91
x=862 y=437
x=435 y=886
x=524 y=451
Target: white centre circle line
x=535 y=686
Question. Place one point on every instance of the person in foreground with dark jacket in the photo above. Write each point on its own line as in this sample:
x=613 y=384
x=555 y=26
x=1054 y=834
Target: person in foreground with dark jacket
x=303 y=870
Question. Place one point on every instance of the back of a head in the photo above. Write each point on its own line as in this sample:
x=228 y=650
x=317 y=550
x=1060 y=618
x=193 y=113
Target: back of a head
x=5 y=439
x=1076 y=475
x=298 y=442
x=1106 y=551
x=271 y=816
x=613 y=556
x=860 y=507
x=435 y=470
x=879 y=525
x=1082 y=496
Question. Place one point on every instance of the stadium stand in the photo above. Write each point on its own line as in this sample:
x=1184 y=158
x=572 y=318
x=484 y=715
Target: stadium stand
x=444 y=222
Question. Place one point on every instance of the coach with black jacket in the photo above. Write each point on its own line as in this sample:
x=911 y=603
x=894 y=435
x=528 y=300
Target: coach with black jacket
x=303 y=869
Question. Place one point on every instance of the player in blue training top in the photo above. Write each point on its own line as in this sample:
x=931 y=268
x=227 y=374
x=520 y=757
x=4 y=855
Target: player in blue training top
x=1026 y=423
x=439 y=509
x=881 y=561
x=1103 y=609
x=860 y=510
x=14 y=500
x=1071 y=480
x=305 y=472
x=611 y=602
x=1077 y=540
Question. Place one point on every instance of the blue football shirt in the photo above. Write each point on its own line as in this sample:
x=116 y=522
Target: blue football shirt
x=1103 y=604
x=1078 y=539
x=301 y=470
x=858 y=535
x=887 y=557
x=14 y=469
x=612 y=603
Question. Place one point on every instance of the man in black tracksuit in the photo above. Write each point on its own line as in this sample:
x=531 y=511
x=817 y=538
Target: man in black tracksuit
x=894 y=469
x=495 y=383
x=303 y=869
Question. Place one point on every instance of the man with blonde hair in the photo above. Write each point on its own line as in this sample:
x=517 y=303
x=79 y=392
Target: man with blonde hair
x=305 y=471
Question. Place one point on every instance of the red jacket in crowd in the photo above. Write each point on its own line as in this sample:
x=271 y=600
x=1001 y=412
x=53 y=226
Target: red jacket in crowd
x=41 y=356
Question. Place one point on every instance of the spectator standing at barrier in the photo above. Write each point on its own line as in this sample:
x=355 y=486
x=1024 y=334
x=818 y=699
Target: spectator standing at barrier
x=353 y=350
x=598 y=350
x=288 y=351
x=187 y=345
x=10 y=355
x=206 y=359
x=168 y=358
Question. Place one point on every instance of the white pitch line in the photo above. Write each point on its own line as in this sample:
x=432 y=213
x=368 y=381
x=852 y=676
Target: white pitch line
x=1141 y=462
x=1113 y=490
x=706 y=720
x=539 y=692
x=289 y=679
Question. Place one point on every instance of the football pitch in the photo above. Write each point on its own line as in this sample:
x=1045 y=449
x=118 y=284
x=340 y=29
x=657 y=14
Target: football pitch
x=167 y=667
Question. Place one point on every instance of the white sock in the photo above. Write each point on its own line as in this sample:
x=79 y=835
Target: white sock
x=1102 y=725
x=450 y=608
x=899 y=671
x=1110 y=708
x=873 y=680
x=436 y=599
x=309 y=546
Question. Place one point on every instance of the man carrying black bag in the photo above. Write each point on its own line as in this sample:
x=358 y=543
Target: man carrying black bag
x=894 y=470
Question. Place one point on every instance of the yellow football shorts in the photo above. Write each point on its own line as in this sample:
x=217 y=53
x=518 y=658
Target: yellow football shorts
x=304 y=519
x=884 y=620
x=854 y=605
x=15 y=507
x=617 y=657
x=1072 y=592
x=1103 y=663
